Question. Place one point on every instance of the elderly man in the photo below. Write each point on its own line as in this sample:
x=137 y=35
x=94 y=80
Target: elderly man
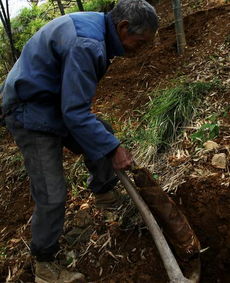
x=47 y=105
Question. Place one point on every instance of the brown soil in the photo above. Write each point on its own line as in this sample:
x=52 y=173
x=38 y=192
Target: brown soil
x=206 y=202
x=130 y=255
x=128 y=82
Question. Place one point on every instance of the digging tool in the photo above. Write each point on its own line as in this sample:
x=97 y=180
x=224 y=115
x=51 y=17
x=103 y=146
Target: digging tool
x=172 y=267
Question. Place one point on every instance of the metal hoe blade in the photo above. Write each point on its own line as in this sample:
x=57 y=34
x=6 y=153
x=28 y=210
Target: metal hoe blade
x=172 y=268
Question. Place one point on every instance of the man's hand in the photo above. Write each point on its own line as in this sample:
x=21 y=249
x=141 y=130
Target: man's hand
x=122 y=159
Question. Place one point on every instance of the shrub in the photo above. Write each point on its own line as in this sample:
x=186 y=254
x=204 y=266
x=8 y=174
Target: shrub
x=99 y=5
x=28 y=22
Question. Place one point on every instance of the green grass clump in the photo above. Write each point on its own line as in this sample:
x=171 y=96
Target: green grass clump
x=168 y=111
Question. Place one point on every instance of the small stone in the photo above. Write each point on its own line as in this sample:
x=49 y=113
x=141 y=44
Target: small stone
x=210 y=145
x=219 y=161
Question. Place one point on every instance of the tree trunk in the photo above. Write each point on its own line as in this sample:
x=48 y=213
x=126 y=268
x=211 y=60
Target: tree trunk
x=181 y=41
x=80 y=5
x=61 y=7
x=5 y=19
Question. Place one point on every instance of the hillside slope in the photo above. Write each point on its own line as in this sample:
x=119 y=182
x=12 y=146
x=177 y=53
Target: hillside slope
x=116 y=247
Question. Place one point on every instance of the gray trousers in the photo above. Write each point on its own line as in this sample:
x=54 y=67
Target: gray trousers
x=43 y=158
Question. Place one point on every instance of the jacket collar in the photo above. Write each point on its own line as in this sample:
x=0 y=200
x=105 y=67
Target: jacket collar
x=113 y=43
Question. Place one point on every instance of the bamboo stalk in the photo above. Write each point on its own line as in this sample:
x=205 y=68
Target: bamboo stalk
x=180 y=35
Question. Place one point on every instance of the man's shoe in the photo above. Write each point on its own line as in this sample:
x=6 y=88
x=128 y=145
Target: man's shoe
x=109 y=200
x=50 y=272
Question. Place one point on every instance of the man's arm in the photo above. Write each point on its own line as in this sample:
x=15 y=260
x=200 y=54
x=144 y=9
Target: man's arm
x=79 y=80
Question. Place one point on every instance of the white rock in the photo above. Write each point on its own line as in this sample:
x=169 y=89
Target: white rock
x=219 y=160
x=210 y=145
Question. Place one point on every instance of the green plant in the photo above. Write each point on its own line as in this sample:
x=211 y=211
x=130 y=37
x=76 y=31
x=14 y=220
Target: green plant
x=3 y=253
x=227 y=39
x=225 y=112
x=97 y=5
x=76 y=174
x=205 y=132
x=13 y=163
x=29 y=21
x=127 y=133
x=5 y=55
x=71 y=9
x=166 y=114
x=195 y=4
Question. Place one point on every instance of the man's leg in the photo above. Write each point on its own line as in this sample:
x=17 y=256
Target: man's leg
x=102 y=178
x=43 y=161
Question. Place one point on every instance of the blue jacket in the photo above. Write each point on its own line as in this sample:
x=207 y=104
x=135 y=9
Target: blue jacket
x=51 y=86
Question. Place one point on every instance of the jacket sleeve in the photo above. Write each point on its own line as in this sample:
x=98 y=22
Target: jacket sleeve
x=82 y=64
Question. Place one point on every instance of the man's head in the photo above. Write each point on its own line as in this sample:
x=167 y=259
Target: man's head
x=136 y=23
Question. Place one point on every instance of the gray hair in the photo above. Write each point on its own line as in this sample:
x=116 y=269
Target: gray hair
x=139 y=13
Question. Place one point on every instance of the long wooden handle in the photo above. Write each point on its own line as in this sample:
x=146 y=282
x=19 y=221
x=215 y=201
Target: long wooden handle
x=172 y=268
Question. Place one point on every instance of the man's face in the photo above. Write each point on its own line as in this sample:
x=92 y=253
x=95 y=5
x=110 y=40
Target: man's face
x=133 y=43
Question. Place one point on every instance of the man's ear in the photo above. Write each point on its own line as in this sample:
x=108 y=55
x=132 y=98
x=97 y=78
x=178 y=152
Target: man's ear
x=122 y=28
